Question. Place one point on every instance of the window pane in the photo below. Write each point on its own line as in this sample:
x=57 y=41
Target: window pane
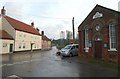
x=112 y=35
x=86 y=39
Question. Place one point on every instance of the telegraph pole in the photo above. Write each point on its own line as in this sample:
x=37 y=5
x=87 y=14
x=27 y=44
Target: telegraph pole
x=73 y=29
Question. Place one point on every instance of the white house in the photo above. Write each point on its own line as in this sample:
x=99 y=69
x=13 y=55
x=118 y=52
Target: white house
x=26 y=37
x=6 y=42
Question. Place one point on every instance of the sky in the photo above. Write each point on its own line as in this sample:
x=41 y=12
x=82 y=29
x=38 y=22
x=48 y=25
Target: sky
x=53 y=16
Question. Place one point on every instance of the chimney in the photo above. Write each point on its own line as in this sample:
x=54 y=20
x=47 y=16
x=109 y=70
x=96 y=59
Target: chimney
x=43 y=33
x=3 y=11
x=32 y=24
x=37 y=29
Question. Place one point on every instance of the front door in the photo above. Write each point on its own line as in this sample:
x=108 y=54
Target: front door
x=11 y=48
x=98 y=49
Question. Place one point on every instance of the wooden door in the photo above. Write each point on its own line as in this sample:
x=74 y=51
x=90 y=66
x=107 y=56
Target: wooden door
x=98 y=49
x=11 y=48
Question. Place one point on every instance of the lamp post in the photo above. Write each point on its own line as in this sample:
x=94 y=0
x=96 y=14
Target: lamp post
x=73 y=29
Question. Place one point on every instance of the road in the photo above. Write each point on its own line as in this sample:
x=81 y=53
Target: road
x=47 y=64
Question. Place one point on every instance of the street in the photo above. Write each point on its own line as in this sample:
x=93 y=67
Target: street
x=47 y=64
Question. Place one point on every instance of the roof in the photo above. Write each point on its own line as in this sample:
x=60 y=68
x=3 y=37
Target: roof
x=18 y=25
x=5 y=35
x=99 y=7
x=45 y=38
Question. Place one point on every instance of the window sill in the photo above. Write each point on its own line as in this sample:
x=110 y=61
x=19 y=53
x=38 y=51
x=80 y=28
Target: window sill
x=86 y=49
x=112 y=50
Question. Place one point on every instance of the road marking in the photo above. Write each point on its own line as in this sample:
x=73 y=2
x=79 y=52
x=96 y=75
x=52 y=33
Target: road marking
x=13 y=77
x=9 y=64
x=22 y=62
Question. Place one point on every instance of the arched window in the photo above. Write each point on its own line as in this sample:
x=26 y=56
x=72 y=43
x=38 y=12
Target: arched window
x=112 y=36
x=86 y=39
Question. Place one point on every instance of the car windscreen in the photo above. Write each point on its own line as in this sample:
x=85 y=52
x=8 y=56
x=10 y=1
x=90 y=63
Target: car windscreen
x=67 y=47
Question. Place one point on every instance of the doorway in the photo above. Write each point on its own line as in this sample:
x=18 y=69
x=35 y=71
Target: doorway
x=11 y=48
x=98 y=49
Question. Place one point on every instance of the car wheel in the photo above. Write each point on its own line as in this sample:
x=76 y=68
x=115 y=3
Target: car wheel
x=70 y=54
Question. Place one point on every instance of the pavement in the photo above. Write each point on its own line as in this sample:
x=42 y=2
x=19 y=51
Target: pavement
x=47 y=64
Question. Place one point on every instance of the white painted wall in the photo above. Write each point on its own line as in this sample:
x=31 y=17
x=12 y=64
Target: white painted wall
x=25 y=39
x=7 y=27
x=5 y=49
x=49 y=44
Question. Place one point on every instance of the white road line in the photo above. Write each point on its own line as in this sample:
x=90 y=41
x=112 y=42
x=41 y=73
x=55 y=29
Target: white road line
x=9 y=64
x=22 y=62
x=14 y=76
x=19 y=62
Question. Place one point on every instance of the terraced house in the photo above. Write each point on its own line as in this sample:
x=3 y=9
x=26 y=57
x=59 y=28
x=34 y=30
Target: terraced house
x=18 y=36
x=99 y=34
x=46 y=42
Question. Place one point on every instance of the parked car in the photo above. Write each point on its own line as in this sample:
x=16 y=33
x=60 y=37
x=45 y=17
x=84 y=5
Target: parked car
x=69 y=50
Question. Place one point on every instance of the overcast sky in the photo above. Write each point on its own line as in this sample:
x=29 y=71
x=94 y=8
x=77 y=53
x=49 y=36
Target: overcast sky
x=53 y=16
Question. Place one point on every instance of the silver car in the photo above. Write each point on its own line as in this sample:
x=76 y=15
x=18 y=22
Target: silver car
x=69 y=50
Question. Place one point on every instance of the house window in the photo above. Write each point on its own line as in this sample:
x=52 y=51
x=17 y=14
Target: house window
x=112 y=36
x=20 y=35
x=86 y=39
x=20 y=45
x=23 y=45
x=24 y=35
x=35 y=46
x=4 y=44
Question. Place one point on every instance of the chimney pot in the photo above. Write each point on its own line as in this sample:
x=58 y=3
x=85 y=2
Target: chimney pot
x=32 y=24
x=3 y=11
x=37 y=29
x=42 y=32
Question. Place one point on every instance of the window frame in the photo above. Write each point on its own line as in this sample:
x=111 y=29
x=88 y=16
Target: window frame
x=24 y=45
x=86 y=39
x=20 y=45
x=86 y=48
x=112 y=36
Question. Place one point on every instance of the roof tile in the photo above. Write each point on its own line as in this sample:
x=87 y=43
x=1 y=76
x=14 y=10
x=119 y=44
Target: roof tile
x=5 y=35
x=18 y=25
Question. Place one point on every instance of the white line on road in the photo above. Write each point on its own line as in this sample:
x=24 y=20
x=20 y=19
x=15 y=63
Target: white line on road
x=22 y=62
x=19 y=62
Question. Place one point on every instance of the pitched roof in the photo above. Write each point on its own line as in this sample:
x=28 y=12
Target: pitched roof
x=45 y=38
x=5 y=35
x=18 y=25
x=99 y=7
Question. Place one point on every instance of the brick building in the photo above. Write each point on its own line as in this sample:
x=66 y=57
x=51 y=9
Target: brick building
x=46 y=42
x=99 y=35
